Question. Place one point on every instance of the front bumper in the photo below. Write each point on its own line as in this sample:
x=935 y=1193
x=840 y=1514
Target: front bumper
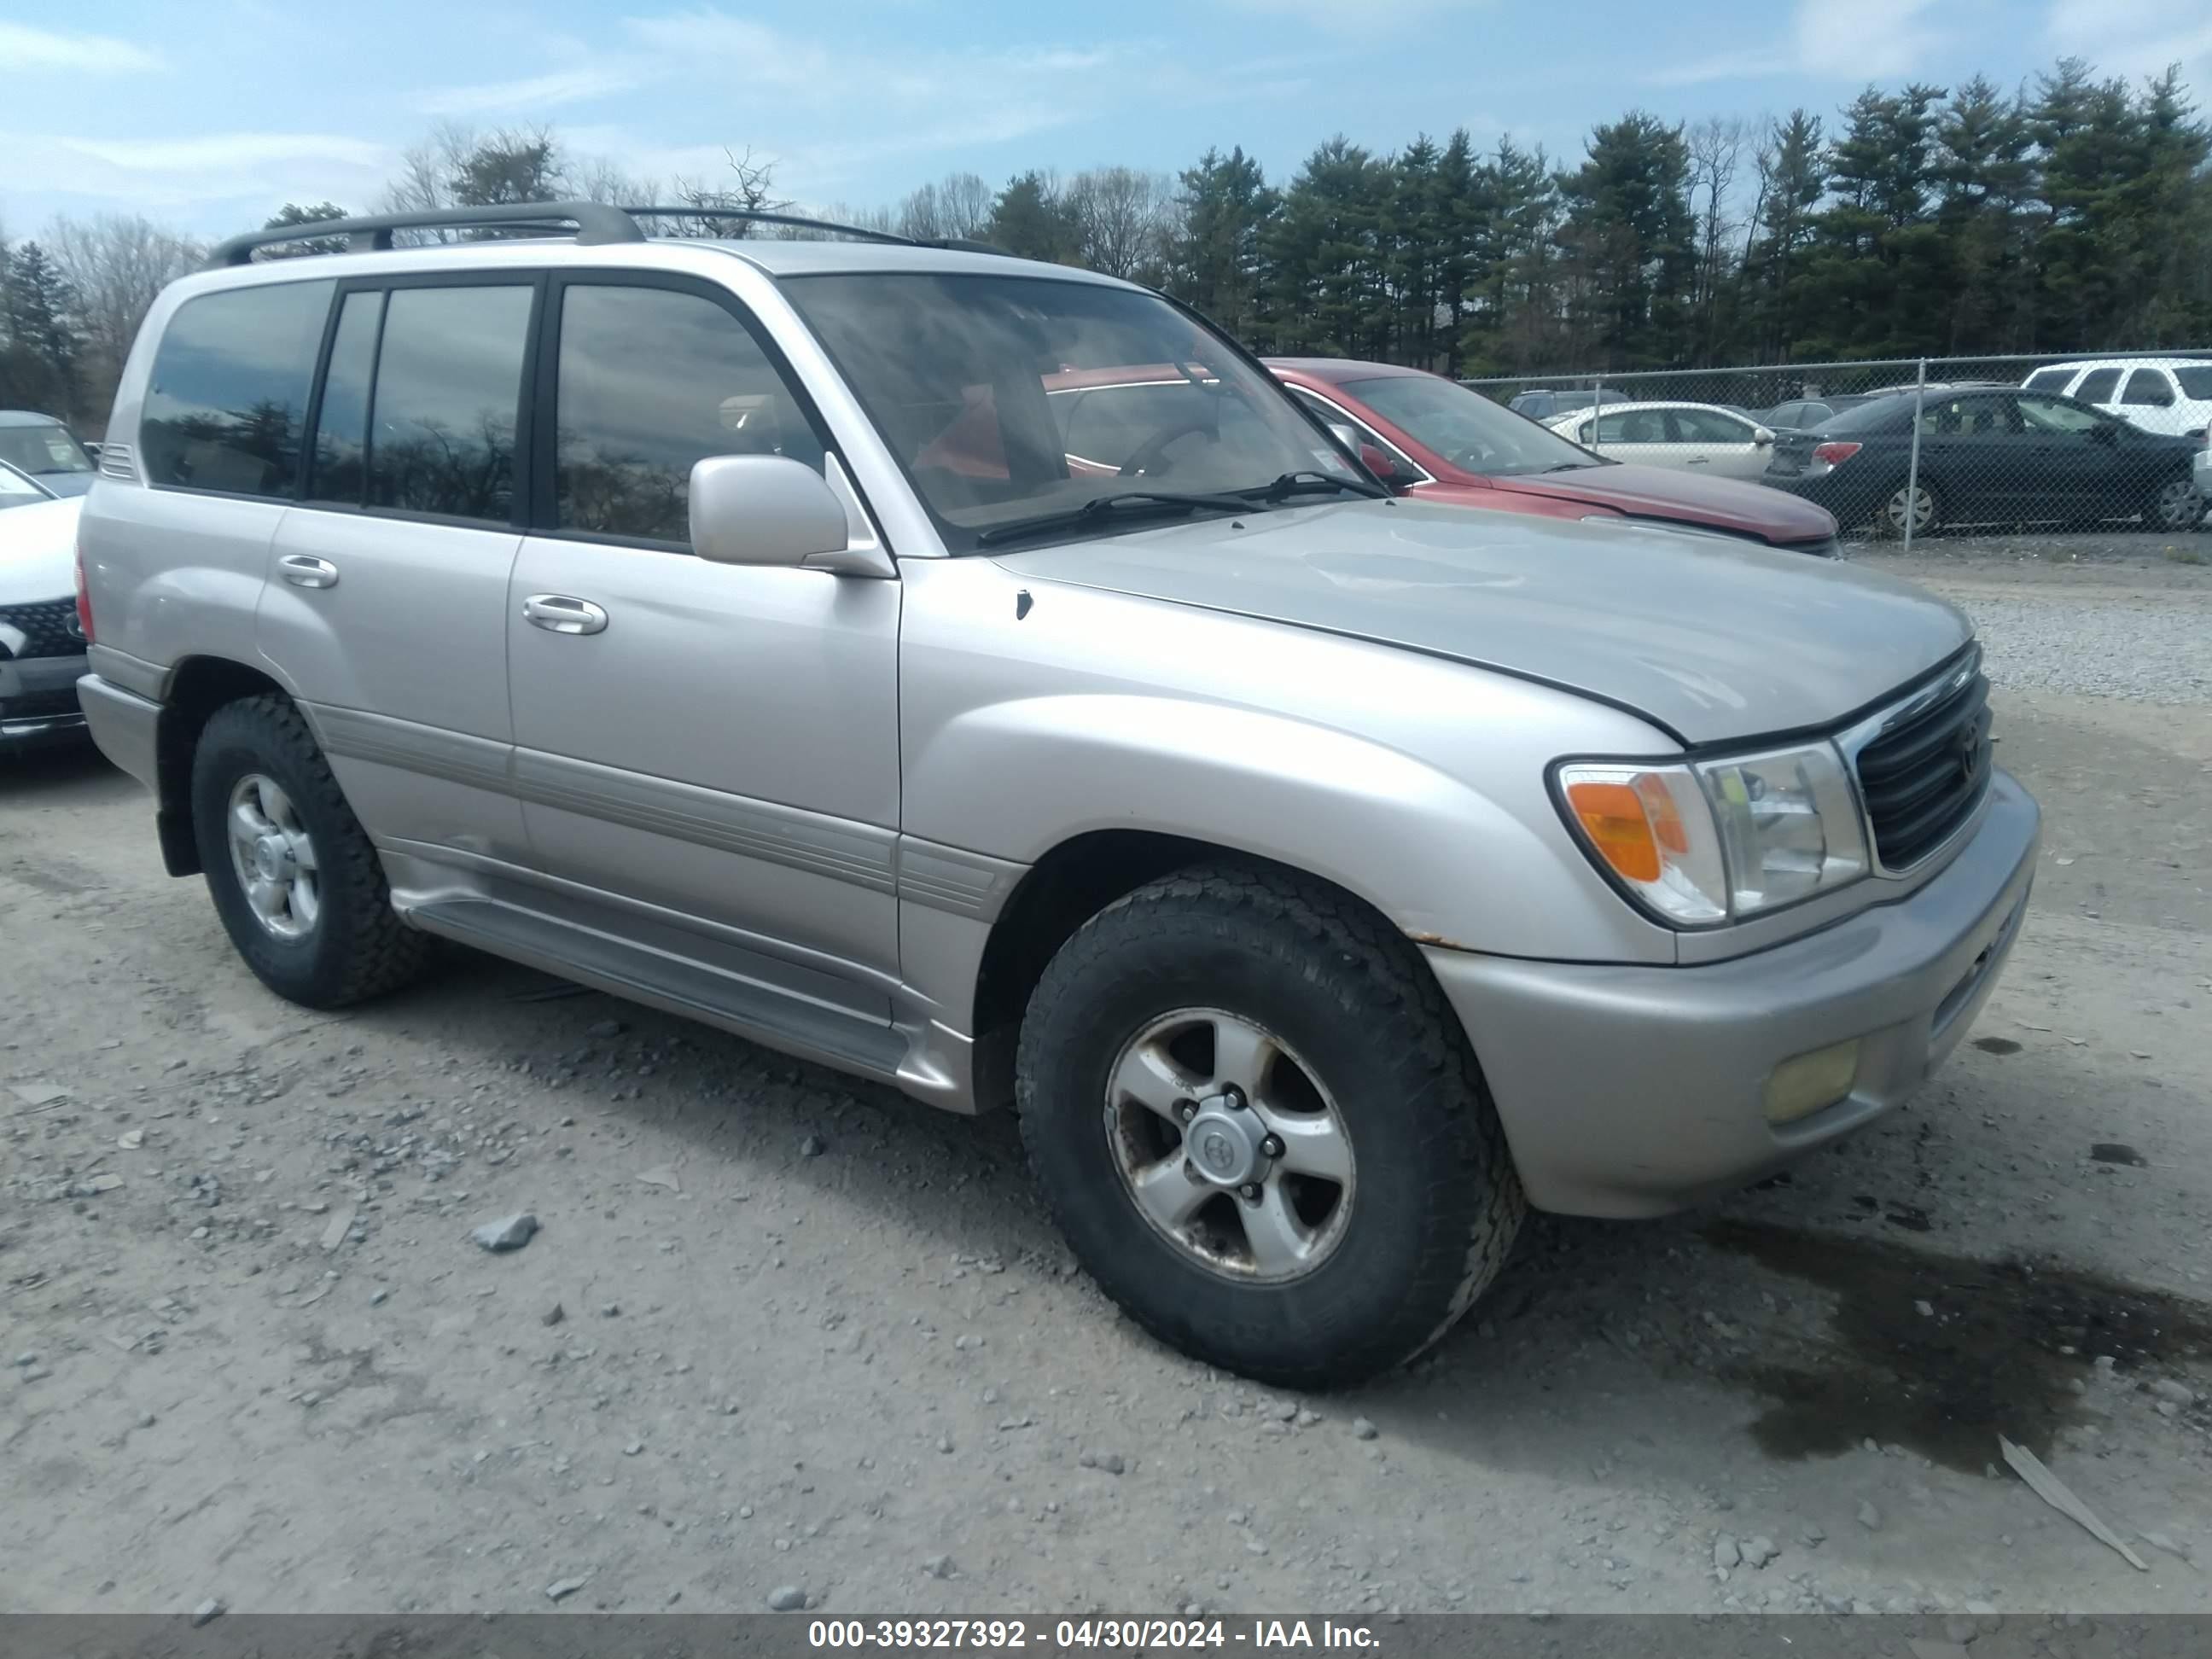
x=1633 y=1090
x=38 y=700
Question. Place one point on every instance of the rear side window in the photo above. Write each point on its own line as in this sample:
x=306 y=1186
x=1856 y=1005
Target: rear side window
x=2196 y=383
x=448 y=384
x=228 y=398
x=2097 y=388
x=2148 y=386
x=651 y=381
x=342 y=428
x=2050 y=379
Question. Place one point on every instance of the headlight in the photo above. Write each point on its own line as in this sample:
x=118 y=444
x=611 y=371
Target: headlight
x=1718 y=840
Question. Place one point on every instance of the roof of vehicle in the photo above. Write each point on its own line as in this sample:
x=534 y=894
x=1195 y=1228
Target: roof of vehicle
x=27 y=417
x=797 y=258
x=1648 y=403
x=1338 y=370
x=2126 y=362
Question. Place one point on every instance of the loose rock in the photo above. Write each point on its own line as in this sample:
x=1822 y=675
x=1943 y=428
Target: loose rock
x=1869 y=1517
x=938 y=1566
x=1364 y=1430
x=207 y=1611
x=509 y=1233
x=813 y=1146
x=786 y=1598
x=561 y=1587
x=2179 y=1393
x=1759 y=1551
x=1726 y=1553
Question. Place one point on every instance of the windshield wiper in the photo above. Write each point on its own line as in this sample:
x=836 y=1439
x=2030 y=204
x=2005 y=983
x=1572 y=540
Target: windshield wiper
x=1101 y=507
x=1305 y=483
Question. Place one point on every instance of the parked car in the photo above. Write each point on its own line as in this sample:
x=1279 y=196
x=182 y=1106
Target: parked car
x=1696 y=437
x=1805 y=414
x=42 y=645
x=1540 y=404
x=1325 y=876
x=2158 y=394
x=1438 y=441
x=1989 y=455
x=42 y=447
x=19 y=489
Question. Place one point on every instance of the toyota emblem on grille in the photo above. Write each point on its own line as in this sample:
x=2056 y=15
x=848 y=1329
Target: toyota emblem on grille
x=1218 y=1152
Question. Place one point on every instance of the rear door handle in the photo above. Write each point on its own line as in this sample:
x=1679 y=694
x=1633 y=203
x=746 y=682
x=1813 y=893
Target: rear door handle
x=304 y=571
x=558 y=613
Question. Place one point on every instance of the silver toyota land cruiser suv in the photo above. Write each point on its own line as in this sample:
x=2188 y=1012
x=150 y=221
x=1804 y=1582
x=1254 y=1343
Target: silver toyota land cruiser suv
x=982 y=677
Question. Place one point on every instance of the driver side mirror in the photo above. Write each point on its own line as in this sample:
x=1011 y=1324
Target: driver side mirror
x=770 y=510
x=1761 y=436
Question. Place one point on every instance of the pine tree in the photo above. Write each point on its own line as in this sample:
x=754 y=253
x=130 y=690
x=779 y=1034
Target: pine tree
x=44 y=344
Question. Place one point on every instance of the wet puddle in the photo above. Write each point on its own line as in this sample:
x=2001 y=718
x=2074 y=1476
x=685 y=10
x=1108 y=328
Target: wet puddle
x=1997 y=1353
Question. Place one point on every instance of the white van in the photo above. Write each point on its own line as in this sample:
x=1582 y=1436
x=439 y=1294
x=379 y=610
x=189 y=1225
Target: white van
x=2159 y=394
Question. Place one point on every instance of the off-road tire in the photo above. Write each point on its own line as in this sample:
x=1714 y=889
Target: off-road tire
x=359 y=948
x=1437 y=1201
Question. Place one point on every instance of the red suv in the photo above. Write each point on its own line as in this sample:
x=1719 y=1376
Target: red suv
x=1436 y=439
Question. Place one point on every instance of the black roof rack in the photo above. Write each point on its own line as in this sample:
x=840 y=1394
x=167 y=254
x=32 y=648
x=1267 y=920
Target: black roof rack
x=591 y=223
x=594 y=222
x=764 y=217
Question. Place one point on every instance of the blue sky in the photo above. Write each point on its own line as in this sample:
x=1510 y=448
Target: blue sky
x=209 y=115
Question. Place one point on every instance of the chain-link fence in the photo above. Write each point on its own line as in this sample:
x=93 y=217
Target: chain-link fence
x=1914 y=447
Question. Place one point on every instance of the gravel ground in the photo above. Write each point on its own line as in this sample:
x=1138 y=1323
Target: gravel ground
x=782 y=1338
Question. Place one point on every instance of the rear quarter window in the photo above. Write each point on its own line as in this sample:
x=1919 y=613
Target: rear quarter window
x=2196 y=382
x=2050 y=379
x=229 y=395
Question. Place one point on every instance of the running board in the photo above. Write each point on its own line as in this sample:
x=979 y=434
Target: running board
x=670 y=983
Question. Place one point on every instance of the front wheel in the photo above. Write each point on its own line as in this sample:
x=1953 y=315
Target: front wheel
x=2176 y=505
x=1261 y=1129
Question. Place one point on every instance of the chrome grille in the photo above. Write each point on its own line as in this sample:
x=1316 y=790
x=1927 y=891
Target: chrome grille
x=1923 y=776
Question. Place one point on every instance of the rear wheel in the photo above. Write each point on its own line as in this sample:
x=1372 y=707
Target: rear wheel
x=1917 y=506
x=1262 y=1130
x=299 y=888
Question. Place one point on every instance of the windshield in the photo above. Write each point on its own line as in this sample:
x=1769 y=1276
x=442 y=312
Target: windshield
x=1467 y=429
x=1875 y=414
x=16 y=489
x=48 y=449
x=1009 y=399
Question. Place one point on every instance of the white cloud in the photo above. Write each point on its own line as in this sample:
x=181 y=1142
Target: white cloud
x=2132 y=36
x=24 y=47
x=1868 y=40
x=179 y=175
x=538 y=92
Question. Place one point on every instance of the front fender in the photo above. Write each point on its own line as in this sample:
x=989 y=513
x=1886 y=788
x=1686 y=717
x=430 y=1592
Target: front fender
x=1414 y=783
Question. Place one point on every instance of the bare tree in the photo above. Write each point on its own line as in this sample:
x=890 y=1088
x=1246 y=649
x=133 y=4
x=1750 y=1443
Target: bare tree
x=750 y=187
x=116 y=265
x=1121 y=215
x=1717 y=147
x=956 y=208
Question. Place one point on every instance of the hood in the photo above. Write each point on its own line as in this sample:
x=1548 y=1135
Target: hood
x=1712 y=640
x=38 y=552
x=1655 y=492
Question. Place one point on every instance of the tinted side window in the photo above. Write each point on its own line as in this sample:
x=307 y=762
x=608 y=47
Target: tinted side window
x=229 y=391
x=448 y=380
x=650 y=382
x=2097 y=388
x=2148 y=386
x=1701 y=426
x=2050 y=379
x=342 y=428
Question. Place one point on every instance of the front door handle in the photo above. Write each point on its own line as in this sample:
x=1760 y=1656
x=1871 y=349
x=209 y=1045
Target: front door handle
x=558 y=613
x=304 y=571
x=1701 y=460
